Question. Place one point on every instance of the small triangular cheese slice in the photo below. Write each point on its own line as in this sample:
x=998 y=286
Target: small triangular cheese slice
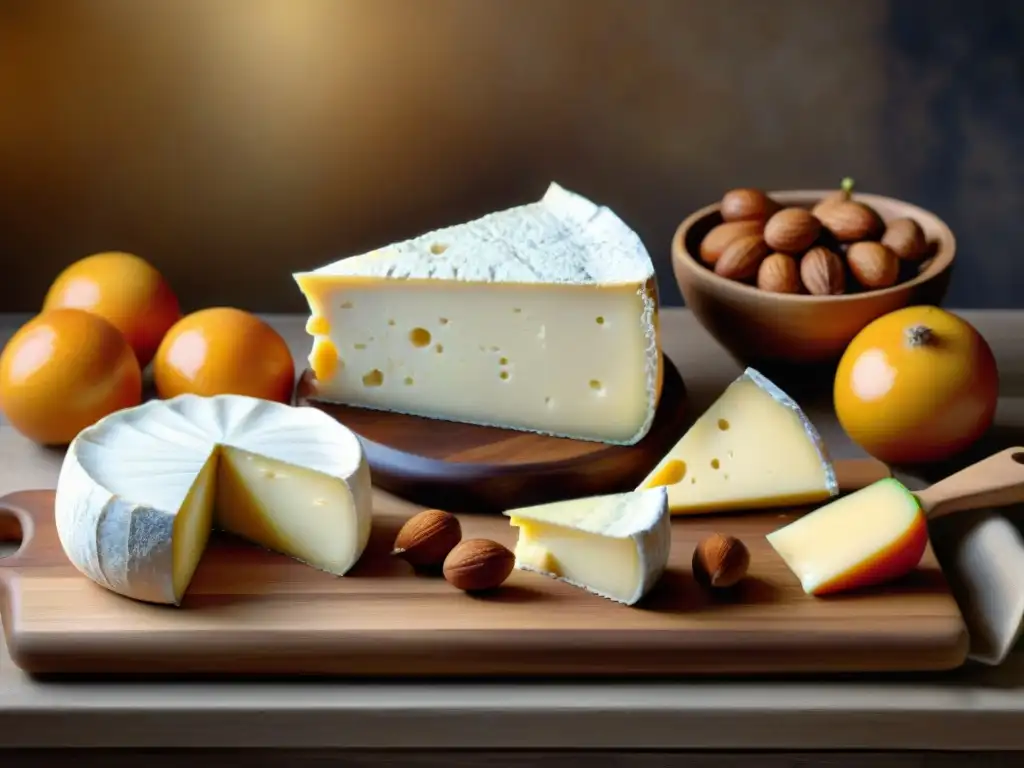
x=541 y=318
x=753 y=448
x=614 y=546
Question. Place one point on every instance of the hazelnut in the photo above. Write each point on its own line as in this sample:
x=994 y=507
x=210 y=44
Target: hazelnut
x=720 y=561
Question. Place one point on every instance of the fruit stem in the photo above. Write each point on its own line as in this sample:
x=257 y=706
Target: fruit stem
x=919 y=335
x=846 y=186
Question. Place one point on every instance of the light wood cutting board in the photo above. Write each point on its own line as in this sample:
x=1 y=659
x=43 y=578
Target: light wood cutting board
x=253 y=612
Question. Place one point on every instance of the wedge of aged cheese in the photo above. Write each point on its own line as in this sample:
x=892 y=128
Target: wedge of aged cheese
x=139 y=491
x=540 y=318
x=754 y=447
x=614 y=546
x=873 y=536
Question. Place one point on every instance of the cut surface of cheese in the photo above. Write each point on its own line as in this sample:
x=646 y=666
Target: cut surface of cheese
x=539 y=318
x=872 y=536
x=753 y=448
x=140 y=490
x=614 y=546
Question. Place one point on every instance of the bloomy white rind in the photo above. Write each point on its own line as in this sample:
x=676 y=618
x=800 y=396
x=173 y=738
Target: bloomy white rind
x=125 y=545
x=652 y=537
x=769 y=388
x=122 y=546
x=595 y=247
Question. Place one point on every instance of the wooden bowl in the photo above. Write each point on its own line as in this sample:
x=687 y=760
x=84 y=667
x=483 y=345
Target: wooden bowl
x=772 y=331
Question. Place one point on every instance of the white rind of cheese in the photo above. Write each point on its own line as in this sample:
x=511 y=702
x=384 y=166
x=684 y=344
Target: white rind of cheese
x=753 y=448
x=539 y=318
x=139 y=490
x=614 y=546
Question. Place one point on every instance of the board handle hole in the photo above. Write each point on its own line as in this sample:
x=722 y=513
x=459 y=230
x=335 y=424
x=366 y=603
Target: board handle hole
x=1018 y=456
x=11 y=534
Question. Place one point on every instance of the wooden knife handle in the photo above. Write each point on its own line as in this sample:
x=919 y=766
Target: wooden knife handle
x=997 y=481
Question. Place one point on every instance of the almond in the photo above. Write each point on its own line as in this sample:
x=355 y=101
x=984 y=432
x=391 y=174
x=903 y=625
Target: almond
x=778 y=273
x=905 y=239
x=720 y=561
x=427 y=538
x=742 y=257
x=822 y=273
x=791 y=230
x=743 y=204
x=842 y=194
x=873 y=265
x=719 y=238
x=850 y=221
x=476 y=565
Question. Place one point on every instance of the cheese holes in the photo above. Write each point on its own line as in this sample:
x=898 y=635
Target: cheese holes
x=715 y=464
x=671 y=473
x=549 y=402
x=504 y=375
x=374 y=378
x=438 y=248
x=419 y=337
x=597 y=386
x=439 y=348
x=599 y=320
x=443 y=320
x=391 y=321
x=359 y=346
x=723 y=424
x=517 y=310
x=503 y=361
x=346 y=305
x=408 y=381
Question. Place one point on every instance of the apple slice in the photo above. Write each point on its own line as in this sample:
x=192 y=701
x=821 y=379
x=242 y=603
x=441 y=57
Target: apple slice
x=880 y=532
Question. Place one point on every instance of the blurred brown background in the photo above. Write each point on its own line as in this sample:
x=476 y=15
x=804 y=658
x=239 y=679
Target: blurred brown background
x=232 y=142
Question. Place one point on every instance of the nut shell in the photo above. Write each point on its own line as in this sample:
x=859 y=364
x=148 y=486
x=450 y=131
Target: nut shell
x=779 y=273
x=718 y=239
x=851 y=221
x=746 y=203
x=873 y=265
x=720 y=561
x=476 y=565
x=742 y=257
x=791 y=230
x=905 y=238
x=822 y=272
x=426 y=539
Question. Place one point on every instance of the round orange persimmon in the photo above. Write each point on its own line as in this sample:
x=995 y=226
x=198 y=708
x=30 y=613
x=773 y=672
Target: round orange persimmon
x=917 y=385
x=63 y=371
x=224 y=351
x=124 y=289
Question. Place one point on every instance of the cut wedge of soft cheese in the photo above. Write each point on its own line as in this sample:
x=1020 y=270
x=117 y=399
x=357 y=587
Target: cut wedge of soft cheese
x=540 y=318
x=614 y=546
x=752 y=448
x=872 y=536
x=139 y=491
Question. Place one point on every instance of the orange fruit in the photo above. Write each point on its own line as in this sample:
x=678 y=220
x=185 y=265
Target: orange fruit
x=63 y=371
x=124 y=289
x=224 y=351
x=917 y=385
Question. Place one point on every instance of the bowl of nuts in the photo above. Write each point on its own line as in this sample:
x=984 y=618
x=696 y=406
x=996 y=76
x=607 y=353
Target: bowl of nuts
x=789 y=278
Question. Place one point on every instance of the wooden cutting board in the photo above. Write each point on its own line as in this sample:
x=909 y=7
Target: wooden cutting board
x=469 y=468
x=253 y=612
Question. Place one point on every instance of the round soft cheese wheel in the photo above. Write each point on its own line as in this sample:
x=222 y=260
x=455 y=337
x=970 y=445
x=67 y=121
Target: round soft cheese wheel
x=140 y=490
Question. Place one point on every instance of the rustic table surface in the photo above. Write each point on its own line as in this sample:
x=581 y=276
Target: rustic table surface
x=976 y=709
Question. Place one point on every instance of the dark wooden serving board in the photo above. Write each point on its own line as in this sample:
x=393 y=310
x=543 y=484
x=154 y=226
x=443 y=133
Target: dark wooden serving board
x=467 y=468
x=251 y=612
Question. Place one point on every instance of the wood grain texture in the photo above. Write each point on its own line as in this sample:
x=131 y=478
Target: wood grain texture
x=467 y=468
x=464 y=467
x=251 y=612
